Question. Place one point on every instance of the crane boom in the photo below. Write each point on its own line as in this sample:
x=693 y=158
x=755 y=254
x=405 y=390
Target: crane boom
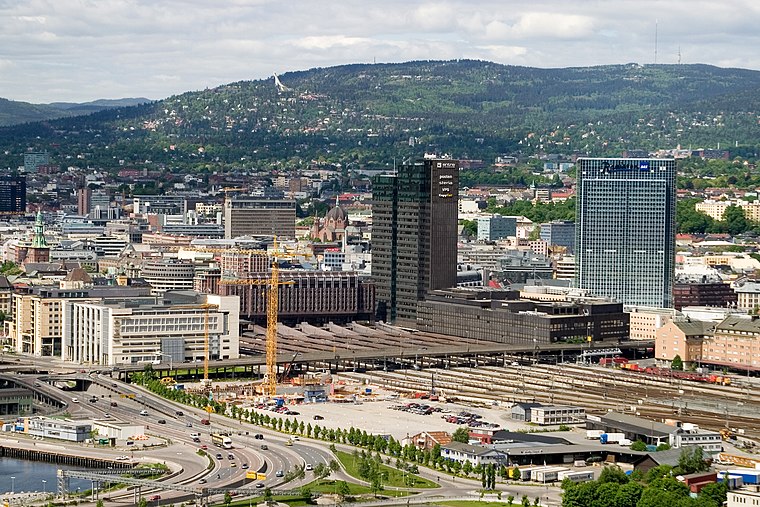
x=272 y=313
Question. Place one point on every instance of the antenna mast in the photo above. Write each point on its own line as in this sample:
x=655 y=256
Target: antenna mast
x=655 y=41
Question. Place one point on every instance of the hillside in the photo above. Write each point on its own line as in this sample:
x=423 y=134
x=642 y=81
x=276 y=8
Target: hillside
x=14 y=112
x=369 y=114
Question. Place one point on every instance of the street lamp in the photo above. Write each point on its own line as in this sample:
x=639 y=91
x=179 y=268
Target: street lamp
x=44 y=486
x=171 y=359
x=13 y=484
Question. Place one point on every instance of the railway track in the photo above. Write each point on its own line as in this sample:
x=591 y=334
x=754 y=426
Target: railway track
x=596 y=389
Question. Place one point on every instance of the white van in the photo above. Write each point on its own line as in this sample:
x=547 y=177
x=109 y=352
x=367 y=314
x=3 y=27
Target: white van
x=74 y=400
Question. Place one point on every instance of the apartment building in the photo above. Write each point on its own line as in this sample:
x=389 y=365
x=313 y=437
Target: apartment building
x=683 y=338
x=735 y=343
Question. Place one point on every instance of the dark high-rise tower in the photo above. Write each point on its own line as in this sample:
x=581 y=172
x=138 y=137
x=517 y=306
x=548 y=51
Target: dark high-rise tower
x=625 y=229
x=414 y=235
x=12 y=195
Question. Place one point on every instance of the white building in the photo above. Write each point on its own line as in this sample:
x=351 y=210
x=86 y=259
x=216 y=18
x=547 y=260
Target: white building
x=690 y=434
x=475 y=454
x=744 y=498
x=557 y=414
x=112 y=334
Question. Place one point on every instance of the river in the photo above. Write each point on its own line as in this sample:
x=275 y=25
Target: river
x=23 y=475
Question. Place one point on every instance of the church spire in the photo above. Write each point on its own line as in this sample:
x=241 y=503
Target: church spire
x=39 y=232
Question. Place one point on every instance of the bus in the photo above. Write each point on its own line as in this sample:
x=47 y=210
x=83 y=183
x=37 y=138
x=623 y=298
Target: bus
x=221 y=440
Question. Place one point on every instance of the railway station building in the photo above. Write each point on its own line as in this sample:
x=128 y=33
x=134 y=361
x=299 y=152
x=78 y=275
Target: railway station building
x=503 y=317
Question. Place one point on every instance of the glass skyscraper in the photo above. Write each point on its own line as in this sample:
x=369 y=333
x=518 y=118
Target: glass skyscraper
x=625 y=229
x=414 y=235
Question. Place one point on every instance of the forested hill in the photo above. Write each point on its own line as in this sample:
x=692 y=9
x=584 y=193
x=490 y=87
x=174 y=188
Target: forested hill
x=369 y=114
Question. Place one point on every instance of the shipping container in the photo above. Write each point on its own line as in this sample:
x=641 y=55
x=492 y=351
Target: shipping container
x=593 y=434
x=547 y=474
x=580 y=476
x=748 y=476
x=733 y=481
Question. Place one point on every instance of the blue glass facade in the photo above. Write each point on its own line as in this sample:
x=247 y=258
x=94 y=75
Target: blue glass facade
x=625 y=229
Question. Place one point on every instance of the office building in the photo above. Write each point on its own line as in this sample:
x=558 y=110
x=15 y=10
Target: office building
x=559 y=233
x=414 y=235
x=625 y=229
x=160 y=204
x=504 y=317
x=132 y=333
x=704 y=291
x=496 y=227
x=168 y=274
x=314 y=296
x=33 y=160
x=12 y=195
x=252 y=216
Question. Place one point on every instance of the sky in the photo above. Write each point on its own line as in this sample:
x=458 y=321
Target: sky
x=81 y=50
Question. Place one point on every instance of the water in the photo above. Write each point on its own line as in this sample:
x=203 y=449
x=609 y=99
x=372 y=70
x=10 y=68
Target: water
x=30 y=474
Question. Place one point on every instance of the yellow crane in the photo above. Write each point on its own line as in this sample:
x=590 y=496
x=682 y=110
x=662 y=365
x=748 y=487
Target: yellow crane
x=273 y=283
x=206 y=382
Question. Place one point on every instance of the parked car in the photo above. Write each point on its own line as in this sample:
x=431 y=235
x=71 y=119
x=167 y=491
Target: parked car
x=318 y=417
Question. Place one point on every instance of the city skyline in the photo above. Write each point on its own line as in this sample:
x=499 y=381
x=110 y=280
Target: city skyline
x=64 y=52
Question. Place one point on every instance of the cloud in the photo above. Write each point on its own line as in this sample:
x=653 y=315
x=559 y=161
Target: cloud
x=87 y=49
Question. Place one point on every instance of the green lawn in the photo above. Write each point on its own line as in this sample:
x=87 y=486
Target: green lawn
x=292 y=500
x=330 y=487
x=395 y=476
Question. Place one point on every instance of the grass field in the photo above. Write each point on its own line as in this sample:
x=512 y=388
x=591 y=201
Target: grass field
x=331 y=487
x=395 y=476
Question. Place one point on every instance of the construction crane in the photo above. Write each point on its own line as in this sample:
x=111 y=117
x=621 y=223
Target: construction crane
x=206 y=382
x=273 y=283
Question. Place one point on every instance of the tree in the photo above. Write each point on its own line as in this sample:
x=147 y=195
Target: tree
x=663 y=447
x=525 y=502
x=639 y=445
x=677 y=363
x=516 y=474
x=466 y=468
x=716 y=492
x=692 y=461
x=142 y=502
x=227 y=498
x=613 y=474
x=734 y=221
x=461 y=434
x=100 y=503
x=343 y=489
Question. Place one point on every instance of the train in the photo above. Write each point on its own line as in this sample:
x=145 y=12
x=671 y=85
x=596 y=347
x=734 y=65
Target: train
x=676 y=374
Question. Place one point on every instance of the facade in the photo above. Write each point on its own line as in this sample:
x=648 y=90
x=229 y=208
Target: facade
x=521 y=411
x=496 y=227
x=564 y=268
x=747 y=294
x=475 y=454
x=546 y=415
x=501 y=317
x=559 y=233
x=124 y=333
x=703 y=294
x=71 y=431
x=315 y=296
x=688 y=435
x=168 y=274
x=251 y=216
x=160 y=204
x=683 y=338
x=735 y=343
x=37 y=325
x=645 y=321
x=743 y=498
x=12 y=195
x=16 y=401
x=33 y=161
x=625 y=229
x=414 y=235
x=426 y=440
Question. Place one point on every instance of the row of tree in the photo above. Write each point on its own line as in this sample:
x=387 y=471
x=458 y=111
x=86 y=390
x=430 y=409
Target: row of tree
x=658 y=487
